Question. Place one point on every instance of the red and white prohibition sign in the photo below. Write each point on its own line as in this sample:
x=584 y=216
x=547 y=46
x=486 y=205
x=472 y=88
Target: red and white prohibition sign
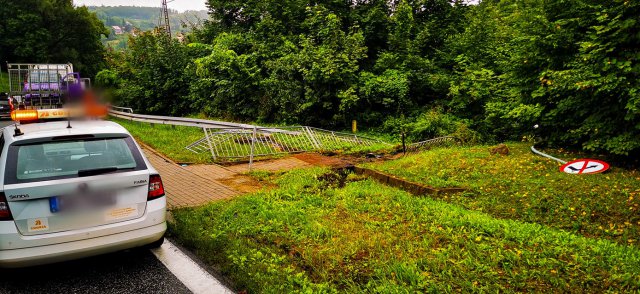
x=584 y=166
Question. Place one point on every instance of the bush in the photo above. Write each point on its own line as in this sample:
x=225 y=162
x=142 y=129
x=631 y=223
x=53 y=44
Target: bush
x=431 y=124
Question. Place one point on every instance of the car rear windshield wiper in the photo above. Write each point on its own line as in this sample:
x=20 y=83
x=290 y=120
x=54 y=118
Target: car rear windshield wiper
x=99 y=171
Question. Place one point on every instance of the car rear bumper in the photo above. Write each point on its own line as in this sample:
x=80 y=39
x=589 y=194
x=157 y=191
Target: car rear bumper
x=79 y=249
x=17 y=250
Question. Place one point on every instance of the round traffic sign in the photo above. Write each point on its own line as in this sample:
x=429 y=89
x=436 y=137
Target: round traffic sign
x=584 y=166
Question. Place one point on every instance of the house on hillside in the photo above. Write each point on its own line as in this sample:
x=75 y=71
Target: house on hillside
x=117 y=30
x=181 y=37
x=128 y=27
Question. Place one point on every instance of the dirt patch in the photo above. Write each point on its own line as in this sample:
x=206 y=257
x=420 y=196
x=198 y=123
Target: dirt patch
x=411 y=187
x=242 y=183
x=275 y=165
x=323 y=160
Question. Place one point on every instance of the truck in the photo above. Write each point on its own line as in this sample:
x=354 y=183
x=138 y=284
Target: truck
x=44 y=86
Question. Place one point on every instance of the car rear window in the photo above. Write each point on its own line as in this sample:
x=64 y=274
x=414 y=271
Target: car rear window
x=65 y=159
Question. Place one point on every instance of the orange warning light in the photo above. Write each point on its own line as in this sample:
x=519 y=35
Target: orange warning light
x=24 y=115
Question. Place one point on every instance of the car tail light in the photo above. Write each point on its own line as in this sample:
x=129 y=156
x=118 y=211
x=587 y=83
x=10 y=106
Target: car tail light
x=5 y=213
x=156 y=189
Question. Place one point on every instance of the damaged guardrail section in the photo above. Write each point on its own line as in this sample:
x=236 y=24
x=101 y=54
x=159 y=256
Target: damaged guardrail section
x=247 y=143
x=233 y=141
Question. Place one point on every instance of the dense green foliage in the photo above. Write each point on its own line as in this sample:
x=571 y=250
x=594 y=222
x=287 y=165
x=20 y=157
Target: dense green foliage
x=598 y=205
x=313 y=234
x=51 y=31
x=156 y=78
x=425 y=67
x=4 y=82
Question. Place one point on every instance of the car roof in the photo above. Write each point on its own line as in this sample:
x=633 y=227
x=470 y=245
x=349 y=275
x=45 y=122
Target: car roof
x=59 y=128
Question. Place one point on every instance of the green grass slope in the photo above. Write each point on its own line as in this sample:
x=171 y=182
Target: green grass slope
x=316 y=234
x=530 y=188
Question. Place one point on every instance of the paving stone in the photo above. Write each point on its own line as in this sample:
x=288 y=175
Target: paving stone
x=186 y=188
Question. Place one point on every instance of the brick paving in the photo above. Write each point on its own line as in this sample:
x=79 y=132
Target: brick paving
x=196 y=185
x=186 y=188
x=211 y=171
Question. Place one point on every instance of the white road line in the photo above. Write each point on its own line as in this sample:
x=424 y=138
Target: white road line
x=187 y=271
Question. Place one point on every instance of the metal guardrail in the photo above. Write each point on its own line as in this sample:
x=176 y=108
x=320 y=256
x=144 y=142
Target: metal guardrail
x=247 y=143
x=121 y=109
x=428 y=144
x=232 y=141
x=169 y=120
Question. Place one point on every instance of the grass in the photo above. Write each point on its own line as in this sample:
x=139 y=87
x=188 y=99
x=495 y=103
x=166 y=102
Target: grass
x=168 y=140
x=316 y=232
x=4 y=82
x=526 y=187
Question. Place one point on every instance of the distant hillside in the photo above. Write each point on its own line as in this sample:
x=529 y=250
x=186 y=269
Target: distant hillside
x=129 y=18
x=146 y=18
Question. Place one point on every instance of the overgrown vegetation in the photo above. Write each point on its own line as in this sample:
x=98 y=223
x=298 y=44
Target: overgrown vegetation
x=530 y=188
x=317 y=232
x=4 y=82
x=486 y=72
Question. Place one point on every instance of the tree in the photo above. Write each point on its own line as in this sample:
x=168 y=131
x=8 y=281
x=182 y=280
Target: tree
x=51 y=31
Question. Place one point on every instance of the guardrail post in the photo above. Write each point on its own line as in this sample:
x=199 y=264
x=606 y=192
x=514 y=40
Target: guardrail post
x=206 y=135
x=253 y=143
x=313 y=138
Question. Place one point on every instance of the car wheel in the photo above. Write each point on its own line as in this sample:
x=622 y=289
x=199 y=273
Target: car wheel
x=155 y=244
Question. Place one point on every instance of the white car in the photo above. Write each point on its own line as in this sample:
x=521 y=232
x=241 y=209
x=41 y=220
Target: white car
x=68 y=193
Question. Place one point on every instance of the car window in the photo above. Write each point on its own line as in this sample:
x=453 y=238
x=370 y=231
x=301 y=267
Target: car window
x=56 y=160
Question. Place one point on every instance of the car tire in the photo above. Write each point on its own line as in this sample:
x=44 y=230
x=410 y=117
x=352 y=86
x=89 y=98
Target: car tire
x=155 y=244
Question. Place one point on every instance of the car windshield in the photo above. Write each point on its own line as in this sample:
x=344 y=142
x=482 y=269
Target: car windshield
x=67 y=159
x=44 y=76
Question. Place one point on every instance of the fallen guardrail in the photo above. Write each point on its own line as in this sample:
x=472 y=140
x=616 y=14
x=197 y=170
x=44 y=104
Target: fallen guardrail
x=248 y=143
x=228 y=141
x=431 y=143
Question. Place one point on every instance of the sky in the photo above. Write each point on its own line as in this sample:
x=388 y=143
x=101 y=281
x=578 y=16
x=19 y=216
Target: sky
x=180 y=5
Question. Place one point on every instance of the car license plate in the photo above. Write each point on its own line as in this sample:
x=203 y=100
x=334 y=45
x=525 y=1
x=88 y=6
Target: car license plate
x=74 y=203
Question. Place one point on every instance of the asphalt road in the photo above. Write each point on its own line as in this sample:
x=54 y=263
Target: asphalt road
x=134 y=271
